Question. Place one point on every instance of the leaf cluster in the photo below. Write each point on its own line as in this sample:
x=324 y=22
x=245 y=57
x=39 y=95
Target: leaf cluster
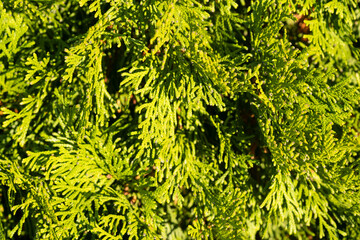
x=179 y=119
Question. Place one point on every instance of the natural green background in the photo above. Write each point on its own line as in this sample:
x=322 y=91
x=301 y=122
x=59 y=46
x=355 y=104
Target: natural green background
x=179 y=119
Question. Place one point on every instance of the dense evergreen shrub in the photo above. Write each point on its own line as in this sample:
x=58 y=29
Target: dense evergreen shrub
x=179 y=119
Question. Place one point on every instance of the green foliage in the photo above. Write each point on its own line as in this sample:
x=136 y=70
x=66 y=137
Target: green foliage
x=191 y=119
